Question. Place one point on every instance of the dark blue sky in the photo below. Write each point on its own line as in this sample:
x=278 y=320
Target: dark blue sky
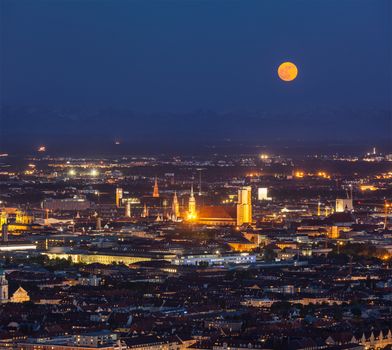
x=73 y=59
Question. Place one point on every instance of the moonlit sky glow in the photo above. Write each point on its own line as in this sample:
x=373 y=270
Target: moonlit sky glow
x=182 y=70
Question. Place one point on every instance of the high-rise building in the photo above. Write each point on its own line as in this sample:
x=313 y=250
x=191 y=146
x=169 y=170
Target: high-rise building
x=155 y=193
x=175 y=207
x=262 y=194
x=192 y=206
x=119 y=196
x=244 y=206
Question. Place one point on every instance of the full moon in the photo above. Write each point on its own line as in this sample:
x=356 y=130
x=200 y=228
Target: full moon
x=287 y=71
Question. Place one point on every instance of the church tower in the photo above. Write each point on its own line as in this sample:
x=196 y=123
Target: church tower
x=192 y=206
x=145 y=213
x=3 y=287
x=119 y=196
x=175 y=207
x=155 y=193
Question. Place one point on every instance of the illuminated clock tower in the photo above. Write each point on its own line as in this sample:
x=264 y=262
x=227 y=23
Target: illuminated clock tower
x=192 y=206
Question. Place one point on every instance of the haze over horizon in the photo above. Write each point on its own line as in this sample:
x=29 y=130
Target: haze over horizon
x=194 y=73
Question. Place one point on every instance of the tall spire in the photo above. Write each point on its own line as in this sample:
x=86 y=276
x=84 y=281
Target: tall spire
x=175 y=207
x=155 y=193
x=145 y=211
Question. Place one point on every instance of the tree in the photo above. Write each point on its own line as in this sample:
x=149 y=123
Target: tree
x=269 y=254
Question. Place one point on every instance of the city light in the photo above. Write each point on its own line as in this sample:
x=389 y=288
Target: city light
x=191 y=216
x=196 y=175
x=323 y=174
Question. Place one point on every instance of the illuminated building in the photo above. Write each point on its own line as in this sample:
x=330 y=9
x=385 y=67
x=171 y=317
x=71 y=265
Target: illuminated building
x=128 y=209
x=23 y=218
x=299 y=174
x=215 y=259
x=20 y=296
x=323 y=174
x=119 y=196
x=105 y=259
x=14 y=215
x=368 y=188
x=102 y=340
x=339 y=222
x=155 y=193
x=244 y=206
x=264 y=156
x=3 y=218
x=217 y=215
x=3 y=287
x=145 y=211
x=242 y=246
x=256 y=238
x=343 y=205
x=192 y=206
x=16 y=246
x=262 y=194
x=16 y=220
x=175 y=207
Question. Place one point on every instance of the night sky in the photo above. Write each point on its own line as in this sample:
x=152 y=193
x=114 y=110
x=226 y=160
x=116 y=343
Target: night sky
x=180 y=72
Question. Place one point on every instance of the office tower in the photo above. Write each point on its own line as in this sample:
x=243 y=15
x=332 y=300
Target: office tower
x=155 y=193
x=244 y=206
x=262 y=194
x=119 y=196
x=192 y=206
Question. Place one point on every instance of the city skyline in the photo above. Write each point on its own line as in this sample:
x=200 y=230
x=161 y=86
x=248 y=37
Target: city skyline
x=196 y=175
